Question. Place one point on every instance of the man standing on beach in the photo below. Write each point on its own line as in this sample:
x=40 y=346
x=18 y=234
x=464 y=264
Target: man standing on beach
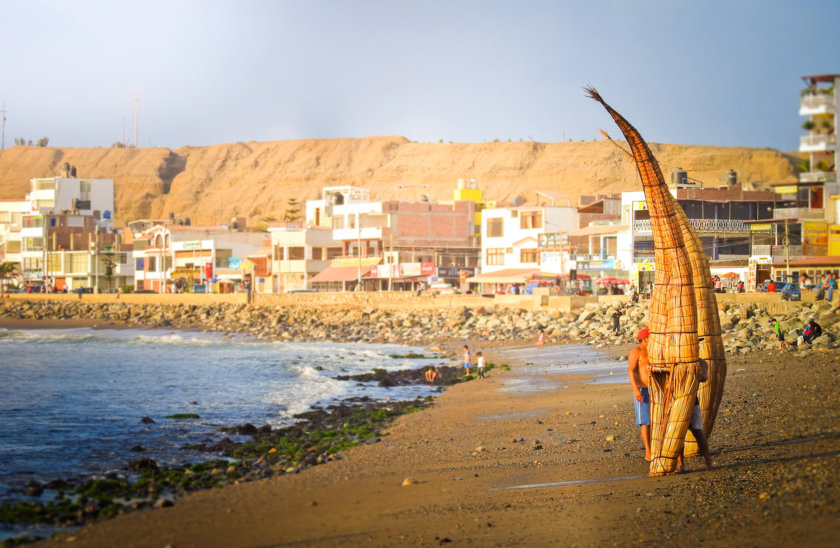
x=639 y=375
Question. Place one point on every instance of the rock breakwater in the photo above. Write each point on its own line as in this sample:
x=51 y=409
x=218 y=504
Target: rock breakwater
x=746 y=327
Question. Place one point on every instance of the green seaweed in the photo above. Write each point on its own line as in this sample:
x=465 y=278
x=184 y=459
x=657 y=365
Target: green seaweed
x=183 y=416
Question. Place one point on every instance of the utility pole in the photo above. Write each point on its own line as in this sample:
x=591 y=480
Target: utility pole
x=359 y=250
x=787 y=252
x=96 y=259
x=3 y=126
x=136 y=120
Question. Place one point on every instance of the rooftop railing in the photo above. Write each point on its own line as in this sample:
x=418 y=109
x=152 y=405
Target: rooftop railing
x=701 y=225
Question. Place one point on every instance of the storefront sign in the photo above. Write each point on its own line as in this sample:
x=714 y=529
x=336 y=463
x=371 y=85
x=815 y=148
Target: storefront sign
x=454 y=271
x=410 y=269
x=815 y=233
x=553 y=239
x=786 y=189
x=427 y=269
x=760 y=227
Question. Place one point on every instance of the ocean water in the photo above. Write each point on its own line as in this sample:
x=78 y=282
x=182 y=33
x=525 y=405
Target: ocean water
x=72 y=400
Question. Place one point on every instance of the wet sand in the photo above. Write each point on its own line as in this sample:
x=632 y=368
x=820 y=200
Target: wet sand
x=523 y=458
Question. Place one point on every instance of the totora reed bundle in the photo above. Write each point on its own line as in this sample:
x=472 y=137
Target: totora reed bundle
x=683 y=310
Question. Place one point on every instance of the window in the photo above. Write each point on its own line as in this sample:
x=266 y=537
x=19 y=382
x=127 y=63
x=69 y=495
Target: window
x=33 y=222
x=31 y=264
x=79 y=263
x=296 y=253
x=33 y=244
x=151 y=264
x=528 y=256
x=333 y=252
x=279 y=253
x=317 y=253
x=138 y=264
x=495 y=256
x=530 y=219
x=54 y=262
x=495 y=228
x=351 y=221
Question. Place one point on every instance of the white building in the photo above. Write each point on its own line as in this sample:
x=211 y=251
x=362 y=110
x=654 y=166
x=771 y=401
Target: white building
x=299 y=252
x=165 y=253
x=511 y=237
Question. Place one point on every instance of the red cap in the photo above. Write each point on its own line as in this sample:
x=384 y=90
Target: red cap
x=643 y=332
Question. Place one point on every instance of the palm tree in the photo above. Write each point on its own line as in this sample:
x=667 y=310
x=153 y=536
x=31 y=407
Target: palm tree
x=8 y=271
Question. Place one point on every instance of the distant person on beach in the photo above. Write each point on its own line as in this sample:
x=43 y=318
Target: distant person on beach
x=431 y=375
x=696 y=423
x=812 y=331
x=639 y=375
x=541 y=339
x=480 y=364
x=616 y=318
x=467 y=359
x=777 y=329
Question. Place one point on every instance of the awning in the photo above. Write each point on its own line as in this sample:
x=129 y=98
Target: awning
x=599 y=230
x=505 y=276
x=340 y=274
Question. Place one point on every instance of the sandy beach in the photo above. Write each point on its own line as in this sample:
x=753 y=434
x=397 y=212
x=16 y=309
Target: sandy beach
x=526 y=458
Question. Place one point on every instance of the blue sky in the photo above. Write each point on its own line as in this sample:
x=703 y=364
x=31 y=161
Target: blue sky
x=207 y=72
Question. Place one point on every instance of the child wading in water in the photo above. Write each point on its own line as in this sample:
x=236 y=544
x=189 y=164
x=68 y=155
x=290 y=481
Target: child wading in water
x=467 y=359
x=480 y=364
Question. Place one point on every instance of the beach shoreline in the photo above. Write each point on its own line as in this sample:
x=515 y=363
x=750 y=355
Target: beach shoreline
x=487 y=464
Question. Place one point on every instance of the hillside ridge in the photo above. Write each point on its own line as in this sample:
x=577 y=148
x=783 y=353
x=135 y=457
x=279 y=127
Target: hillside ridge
x=211 y=184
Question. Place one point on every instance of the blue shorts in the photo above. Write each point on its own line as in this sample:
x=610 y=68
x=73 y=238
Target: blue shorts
x=643 y=408
x=467 y=364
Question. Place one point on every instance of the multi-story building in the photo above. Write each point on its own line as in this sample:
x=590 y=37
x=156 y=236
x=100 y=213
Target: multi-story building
x=512 y=238
x=11 y=217
x=805 y=217
x=166 y=253
x=720 y=216
x=384 y=243
x=60 y=216
x=299 y=252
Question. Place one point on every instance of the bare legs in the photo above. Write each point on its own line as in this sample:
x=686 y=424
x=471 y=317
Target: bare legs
x=702 y=445
x=646 y=440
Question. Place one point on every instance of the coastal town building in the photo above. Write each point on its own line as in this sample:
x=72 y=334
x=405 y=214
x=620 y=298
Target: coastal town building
x=394 y=244
x=804 y=229
x=62 y=234
x=520 y=242
x=299 y=252
x=720 y=216
x=174 y=257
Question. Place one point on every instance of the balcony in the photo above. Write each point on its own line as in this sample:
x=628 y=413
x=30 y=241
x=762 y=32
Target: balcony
x=817 y=143
x=589 y=257
x=816 y=214
x=818 y=177
x=816 y=104
x=777 y=251
x=701 y=225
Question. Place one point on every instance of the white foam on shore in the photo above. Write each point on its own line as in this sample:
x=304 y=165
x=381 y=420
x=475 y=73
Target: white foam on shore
x=540 y=364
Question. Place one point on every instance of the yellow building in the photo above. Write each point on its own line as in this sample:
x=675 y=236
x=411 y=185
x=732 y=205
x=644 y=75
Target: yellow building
x=469 y=192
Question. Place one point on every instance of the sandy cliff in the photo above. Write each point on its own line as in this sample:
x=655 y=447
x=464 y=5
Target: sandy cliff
x=212 y=184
